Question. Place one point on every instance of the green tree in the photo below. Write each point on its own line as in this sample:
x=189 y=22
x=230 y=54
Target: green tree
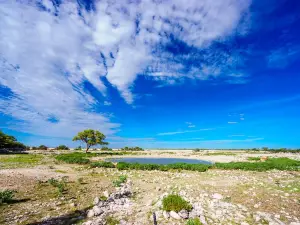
x=10 y=142
x=90 y=137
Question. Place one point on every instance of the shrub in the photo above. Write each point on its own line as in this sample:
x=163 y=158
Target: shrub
x=269 y=164
x=43 y=147
x=132 y=149
x=253 y=158
x=106 y=149
x=78 y=148
x=122 y=179
x=194 y=221
x=62 y=147
x=6 y=196
x=60 y=185
x=73 y=158
x=102 y=164
x=112 y=221
x=175 y=166
x=175 y=203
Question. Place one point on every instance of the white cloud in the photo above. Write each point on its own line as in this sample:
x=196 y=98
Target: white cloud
x=46 y=56
x=107 y=103
x=232 y=122
x=182 y=132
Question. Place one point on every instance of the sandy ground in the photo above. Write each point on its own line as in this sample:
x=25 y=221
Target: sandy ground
x=274 y=192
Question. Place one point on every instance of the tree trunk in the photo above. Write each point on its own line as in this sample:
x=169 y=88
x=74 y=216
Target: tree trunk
x=87 y=148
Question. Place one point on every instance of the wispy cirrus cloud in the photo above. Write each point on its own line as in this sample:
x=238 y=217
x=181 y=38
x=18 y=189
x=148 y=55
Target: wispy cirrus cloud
x=183 y=131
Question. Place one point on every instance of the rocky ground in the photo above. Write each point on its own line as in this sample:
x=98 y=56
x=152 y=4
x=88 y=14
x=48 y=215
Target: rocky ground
x=217 y=196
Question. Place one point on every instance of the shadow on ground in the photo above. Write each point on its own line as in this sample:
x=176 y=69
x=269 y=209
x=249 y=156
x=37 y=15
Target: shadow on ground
x=67 y=219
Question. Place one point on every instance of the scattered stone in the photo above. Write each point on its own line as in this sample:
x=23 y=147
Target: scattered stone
x=166 y=214
x=96 y=200
x=217 y=196
x=97 y=210
x=175 y=215
x=90 y=213
x=183 y=214
x=105 y=194
x=202 y=220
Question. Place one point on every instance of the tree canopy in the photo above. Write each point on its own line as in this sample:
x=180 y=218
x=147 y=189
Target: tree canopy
x=10 y=142
x=90 y=137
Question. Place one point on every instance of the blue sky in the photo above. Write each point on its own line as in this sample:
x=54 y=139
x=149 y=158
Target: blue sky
x=168 y=74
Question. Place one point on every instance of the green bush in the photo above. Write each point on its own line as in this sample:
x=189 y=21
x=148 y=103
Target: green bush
x=194 y=221
x=62 y=147
x=253 y=158
x=175 y=166
x=78 y=148
x=106 y=149
x=6 y=196
x=269 y=164
x=60 y=185
x=175 y=203
x=73 y=158
x=10 y=142
x=121 y=179
x=132 y=149
x=42 y=147
x=112 y=221
x=102 y=164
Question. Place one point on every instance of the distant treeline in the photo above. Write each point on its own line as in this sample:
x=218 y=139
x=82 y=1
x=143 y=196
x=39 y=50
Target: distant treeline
x=265 y=149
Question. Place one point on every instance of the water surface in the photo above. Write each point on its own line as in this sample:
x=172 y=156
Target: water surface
x=159 y=160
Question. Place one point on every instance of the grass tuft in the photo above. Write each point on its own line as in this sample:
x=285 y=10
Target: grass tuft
x=6 y=196
x=194 y=221
x=102 y=164
x=175 y=203
x=269 y=164
x=121 y=179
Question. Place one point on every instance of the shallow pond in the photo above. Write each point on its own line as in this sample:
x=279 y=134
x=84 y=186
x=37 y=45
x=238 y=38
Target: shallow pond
x=159 y=160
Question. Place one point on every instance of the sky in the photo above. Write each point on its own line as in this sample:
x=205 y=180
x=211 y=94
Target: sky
x=152 y=73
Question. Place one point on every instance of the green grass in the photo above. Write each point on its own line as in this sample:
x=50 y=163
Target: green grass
x=112 y=221
x=20 y=160
x=121 y=179
x=253 y=158
x=220 y=153
x=73 y=158
x=194 y=221
x=59 y=184
x=102 y=164
x=6 y=196
x=175 y=166
x=175 y=203
x=269 y=164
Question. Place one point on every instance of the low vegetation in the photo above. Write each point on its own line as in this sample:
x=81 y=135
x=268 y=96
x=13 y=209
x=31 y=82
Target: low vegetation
x=20 y=160
x=106 y=149
x=41 y=147
x=175 y=203
x=175 y=166
x=194 y=221
x=6 y=196
x=269 y=164
x=62 y=147
x=59 y=184
x=73 y=158
x=253 y=158
x=112 y=221
x=132 y=149
x=102 y=164
x=121 y=179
